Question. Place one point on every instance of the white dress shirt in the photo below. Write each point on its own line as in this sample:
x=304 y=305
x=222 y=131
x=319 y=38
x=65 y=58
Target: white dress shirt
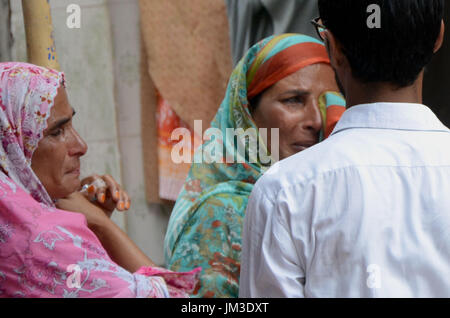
x=366 y=213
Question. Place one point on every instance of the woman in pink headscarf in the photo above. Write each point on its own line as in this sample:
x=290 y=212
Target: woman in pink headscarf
x=54 y=242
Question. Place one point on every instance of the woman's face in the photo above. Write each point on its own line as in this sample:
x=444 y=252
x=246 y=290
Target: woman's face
x=292 y=106
x=56 y=161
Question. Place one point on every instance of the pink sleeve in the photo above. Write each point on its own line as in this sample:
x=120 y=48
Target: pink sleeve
x=45 y=252
x=179 y=284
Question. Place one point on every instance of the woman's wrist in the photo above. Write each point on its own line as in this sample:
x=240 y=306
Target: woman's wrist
x=99 y=222
x=119 y=246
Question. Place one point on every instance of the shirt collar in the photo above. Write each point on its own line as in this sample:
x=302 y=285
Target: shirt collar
x=397 y=116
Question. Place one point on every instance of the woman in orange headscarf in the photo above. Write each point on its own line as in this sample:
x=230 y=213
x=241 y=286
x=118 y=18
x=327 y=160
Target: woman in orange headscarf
x=284 y=82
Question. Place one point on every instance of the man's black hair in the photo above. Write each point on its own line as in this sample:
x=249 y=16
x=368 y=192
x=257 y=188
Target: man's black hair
x=397 y=51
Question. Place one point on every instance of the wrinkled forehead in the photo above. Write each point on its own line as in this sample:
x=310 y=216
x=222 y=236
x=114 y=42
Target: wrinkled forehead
x=61 y=109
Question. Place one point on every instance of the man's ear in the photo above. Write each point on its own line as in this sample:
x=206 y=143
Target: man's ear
x=334 y=48
x=440 y=38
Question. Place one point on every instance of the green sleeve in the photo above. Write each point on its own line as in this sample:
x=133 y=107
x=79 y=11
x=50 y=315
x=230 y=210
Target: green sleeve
x=212 y=240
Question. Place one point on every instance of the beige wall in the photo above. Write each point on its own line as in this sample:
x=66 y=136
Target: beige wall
x=147 y=223
x=5 y=38
x=101 y=63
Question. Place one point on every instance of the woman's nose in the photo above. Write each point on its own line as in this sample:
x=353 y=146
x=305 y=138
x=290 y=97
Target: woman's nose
x=78 y=147
x=313 y=118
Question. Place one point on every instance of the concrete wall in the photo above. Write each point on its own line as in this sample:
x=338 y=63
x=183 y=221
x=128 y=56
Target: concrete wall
x=5 y=32
x=147 y=224
x=101 y=61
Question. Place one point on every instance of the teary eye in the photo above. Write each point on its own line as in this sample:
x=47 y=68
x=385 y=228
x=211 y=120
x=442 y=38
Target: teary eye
x=294 y=100
x=56 y=132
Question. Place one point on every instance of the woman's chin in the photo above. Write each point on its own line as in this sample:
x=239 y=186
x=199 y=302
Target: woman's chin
x=290 y=151
x=71 y=185
x=76 y=185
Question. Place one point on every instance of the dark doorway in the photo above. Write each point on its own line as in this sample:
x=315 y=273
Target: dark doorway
x=437 y=78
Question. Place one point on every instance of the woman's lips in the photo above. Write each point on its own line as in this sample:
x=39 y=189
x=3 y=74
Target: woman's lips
x=74 y=171
x=300 y=146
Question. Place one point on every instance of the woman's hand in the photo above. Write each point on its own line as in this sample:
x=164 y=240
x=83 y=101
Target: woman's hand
x=77 y=202
x=105 y=192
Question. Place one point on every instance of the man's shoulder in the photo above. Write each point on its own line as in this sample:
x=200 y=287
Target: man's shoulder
x=302 y=167
x=355 y=148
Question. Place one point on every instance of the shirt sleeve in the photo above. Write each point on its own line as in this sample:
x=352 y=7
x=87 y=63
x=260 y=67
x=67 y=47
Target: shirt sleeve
x=179 y=284
x=45 y=253
x=270 y=266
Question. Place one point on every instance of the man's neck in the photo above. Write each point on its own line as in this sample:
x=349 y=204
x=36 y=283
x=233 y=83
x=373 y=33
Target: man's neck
x=384 y=93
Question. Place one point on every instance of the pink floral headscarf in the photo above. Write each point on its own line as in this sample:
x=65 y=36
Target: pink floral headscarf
x=27 y=94
x=46 y=252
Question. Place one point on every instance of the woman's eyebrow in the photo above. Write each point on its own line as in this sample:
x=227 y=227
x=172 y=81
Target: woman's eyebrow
x=295 y=92
x=62 y=121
